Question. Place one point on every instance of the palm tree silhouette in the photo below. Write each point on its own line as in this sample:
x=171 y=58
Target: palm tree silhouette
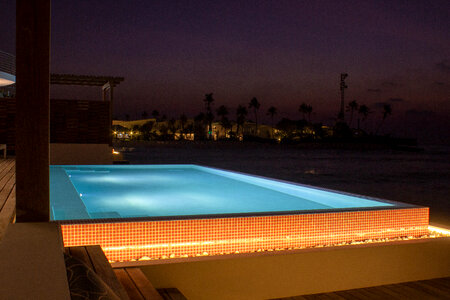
x=363 y=110
x=183 y=121
x=352 y=107
x=222 y=111
x=272 y=111
x=209 y=115
x=306 y=109
x=155 y=114
x=309 y=110
x=241 y=113
x=199 y=126
x=254 y=104
x=387 y=111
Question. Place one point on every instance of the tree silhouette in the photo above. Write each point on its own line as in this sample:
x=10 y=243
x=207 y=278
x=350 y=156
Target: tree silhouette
x=272 y=111
x=241 y=114
x=309 y=110
x=146 y=129
x=387 y=111
x=172 y=125
x=155 y=114
x=306 y=109
x=222 y=111
x=364 y=111
x=127 y=117
x=144 y=115
x=199 y=126
x=183 y=121
x=254 y=104
x=209 y=115
x=352 y=106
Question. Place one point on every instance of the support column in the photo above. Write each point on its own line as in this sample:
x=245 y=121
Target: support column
x=32 y=113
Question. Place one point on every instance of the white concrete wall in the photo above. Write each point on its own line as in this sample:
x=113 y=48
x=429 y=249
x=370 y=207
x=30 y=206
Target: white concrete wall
x=291 y=273
x=80 y=154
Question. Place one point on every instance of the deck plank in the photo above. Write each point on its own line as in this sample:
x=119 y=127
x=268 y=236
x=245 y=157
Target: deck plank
x=7 y=167
x=81 y=253
x=438 y=288
x=171 y=294
x=6 y=174
x=143 y=284
x=7 y=193
x=103 y=268
x=128 y=284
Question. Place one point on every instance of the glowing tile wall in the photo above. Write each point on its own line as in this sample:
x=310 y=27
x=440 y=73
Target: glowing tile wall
x=125 y=241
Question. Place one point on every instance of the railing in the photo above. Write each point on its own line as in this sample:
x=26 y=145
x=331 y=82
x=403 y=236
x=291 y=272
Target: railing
x=7 y=63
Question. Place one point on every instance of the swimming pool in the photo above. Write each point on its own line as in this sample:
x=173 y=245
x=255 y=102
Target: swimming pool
x=156 y=211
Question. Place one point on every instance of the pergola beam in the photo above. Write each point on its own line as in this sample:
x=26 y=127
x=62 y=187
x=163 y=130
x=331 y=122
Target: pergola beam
x=86 y=80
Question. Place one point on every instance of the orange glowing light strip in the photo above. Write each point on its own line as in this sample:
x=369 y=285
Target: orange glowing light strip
x=125 y=241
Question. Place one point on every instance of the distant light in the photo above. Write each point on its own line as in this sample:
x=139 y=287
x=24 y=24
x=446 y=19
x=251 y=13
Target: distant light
x=6 y=79
x=81 y=195
x=115 y=152
x=5 y=82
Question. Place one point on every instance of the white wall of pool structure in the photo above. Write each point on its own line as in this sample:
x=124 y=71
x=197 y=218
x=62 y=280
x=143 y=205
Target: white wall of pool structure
x=308 y=271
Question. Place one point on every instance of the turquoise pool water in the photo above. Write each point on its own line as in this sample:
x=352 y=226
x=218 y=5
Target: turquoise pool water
x=134 y=191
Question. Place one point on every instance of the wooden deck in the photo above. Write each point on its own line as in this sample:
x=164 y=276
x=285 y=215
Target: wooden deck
x=127 y=283
x=7 y=193
x=424 y=289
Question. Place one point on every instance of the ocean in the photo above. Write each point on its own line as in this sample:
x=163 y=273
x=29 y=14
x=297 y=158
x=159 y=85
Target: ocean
x=421 y=178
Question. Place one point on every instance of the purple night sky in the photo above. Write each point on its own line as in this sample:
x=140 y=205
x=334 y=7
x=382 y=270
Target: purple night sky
x=283 y=52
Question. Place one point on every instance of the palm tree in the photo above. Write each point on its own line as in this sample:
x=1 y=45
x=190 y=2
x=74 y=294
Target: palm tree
x=183 y=121
x=155 y=114
x=209 y=115
x=352 y=107
x=222 y=111
x=306 y=109
x=272 y=111
x=172 y=126
x=387 y=111
x=146 y=129
x=241 y=113
x=254 y=104
x=309 y=110
x=363 y=110
x=199 y=126
x=303 y=109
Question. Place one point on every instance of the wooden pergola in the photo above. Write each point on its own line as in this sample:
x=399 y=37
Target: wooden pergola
x=107 y=83
x=33 y=81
